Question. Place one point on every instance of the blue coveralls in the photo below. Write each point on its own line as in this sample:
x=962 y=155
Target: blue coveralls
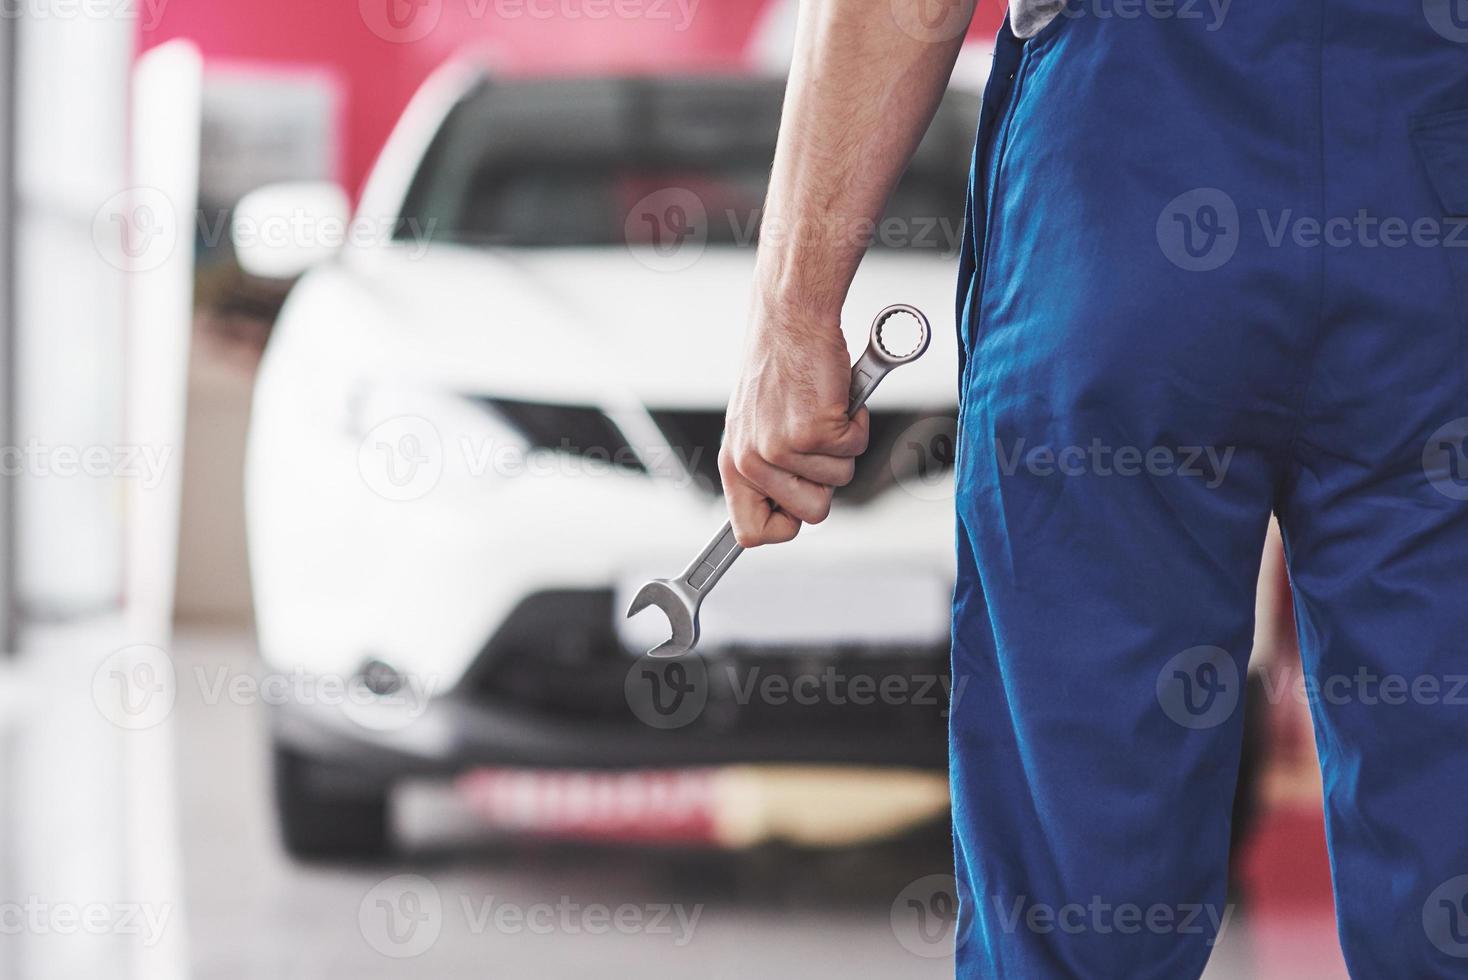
x=1215 y=268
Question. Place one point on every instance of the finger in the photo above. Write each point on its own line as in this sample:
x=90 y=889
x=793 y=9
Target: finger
x=846 y=438
x=754 y=518
x=807 y=501
x=832 y=471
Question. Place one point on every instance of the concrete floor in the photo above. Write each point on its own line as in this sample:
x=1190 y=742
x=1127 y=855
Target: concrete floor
x=85 y=800
x=254 y=914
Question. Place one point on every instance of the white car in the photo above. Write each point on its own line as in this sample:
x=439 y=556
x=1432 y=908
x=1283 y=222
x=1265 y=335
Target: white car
x=488 y=417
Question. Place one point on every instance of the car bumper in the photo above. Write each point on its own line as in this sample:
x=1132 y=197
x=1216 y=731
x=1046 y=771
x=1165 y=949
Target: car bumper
x=848 y=713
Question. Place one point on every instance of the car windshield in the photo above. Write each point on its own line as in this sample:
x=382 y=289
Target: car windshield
x=573 y=162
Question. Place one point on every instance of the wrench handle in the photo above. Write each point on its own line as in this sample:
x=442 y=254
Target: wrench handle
x=866 y=374
x=713 y=561
x=716 y=557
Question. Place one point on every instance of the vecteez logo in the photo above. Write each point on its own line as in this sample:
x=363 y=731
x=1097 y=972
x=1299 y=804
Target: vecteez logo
x=148 y=465
x=1445 y=917
x=667 y=692
x=923 y=457
x=136 y=687
x=1200 y=687
x=401 y=459
x=402 y=916
x=925 y=916
x=667 y=230
x=932 y=21
x=401 y=21
x=1102 y=917
x=136 y=229
x=673 y=692
x=1445 y=460
x=1208 y=464
x=147 y=14
x=1212 y=12
x=1199 y=230
x=142 y=922
x=1449 y=18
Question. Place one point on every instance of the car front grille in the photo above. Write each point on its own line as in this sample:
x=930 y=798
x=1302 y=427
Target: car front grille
x=902 y=444
x=557 y=654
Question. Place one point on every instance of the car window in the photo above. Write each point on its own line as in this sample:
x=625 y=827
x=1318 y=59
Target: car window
x=573 y=162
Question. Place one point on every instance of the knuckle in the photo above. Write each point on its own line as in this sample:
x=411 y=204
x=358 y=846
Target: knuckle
x=810 y=509
x=745 y=458
x=782 y=456
x=805 y=435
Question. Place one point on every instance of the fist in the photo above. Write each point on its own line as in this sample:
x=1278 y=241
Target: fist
x=788 y=443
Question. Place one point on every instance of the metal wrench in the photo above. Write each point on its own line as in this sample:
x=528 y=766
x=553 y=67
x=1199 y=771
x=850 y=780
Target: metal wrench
x=680 y=597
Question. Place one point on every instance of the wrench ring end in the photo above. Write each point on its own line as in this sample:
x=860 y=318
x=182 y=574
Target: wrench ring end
x=925 y=334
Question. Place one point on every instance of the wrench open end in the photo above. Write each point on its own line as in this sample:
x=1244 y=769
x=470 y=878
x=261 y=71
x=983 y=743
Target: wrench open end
x=681 y=610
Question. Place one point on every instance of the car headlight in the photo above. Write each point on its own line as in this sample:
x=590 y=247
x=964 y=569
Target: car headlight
x=581 y=433
x=401 y=428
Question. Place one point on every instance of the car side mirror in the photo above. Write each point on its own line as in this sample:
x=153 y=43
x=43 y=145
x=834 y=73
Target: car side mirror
x=281 y=230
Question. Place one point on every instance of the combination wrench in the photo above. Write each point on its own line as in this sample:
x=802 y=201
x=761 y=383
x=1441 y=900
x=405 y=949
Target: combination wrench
x=679 y=598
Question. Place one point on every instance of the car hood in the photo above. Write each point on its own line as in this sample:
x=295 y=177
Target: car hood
x=585 y=325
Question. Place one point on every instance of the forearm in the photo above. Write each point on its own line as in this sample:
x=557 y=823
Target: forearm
x=861 y=94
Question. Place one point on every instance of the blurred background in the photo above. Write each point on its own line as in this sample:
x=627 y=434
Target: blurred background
x=357 y=361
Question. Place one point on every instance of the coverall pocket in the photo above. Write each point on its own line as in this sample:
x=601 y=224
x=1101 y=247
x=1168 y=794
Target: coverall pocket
x=1441 y=139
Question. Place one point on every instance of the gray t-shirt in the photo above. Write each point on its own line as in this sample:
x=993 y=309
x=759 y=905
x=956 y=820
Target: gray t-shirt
x=1029 y=17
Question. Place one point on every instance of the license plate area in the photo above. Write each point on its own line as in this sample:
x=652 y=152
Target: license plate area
x=822 y=608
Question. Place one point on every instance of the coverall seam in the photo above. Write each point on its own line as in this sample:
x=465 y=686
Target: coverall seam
x=996 y=149
x=1301 y=396
x=1000 y=152
x=977 y=202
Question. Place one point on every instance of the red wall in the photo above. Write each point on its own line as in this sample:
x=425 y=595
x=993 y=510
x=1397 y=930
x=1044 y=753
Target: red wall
x=379 y=75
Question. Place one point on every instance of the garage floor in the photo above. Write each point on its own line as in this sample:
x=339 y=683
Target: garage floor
x=769 y=915
x=503 y=910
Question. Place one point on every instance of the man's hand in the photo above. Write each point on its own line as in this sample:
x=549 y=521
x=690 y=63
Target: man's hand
x=862 y=90
x=787 y=441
